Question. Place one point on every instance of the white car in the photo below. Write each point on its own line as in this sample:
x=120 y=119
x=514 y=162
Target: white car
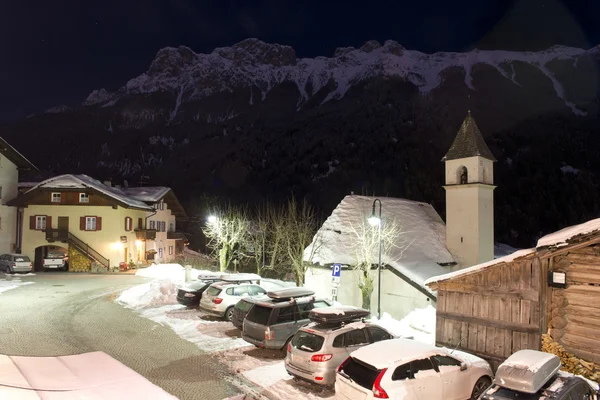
x=220 y=298
x=404 y=369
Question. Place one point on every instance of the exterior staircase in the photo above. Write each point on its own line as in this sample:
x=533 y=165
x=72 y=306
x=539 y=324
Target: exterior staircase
x=60 y=235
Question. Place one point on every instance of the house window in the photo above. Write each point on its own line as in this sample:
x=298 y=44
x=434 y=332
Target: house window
x=170 y=250
x=40 y=222
x=152 y=224
x=55 y=198
x=160 y=252
x=84 y=198
x=128 y=223
x=163 y=227
x=90 y=223
x=171 y=227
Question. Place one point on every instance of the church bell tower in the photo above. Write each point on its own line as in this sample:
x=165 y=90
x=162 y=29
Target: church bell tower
x=470 y=196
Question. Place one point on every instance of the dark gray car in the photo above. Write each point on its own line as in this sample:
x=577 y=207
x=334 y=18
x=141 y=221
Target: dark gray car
x=272 y=323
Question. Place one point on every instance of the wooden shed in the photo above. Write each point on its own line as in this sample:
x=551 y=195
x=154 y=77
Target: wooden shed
x=497 y=308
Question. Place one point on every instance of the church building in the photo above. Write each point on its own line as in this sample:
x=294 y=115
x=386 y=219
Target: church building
x=426 y=246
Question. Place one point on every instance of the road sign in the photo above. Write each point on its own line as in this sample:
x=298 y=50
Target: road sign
x=336 y=270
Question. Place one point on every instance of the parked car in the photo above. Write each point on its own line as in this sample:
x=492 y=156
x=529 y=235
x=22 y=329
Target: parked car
x=272 y=323
x=191 y=294
x=535 y=375
x=318 y=348
x=242 y=307
x=55 y=260
x=410 y=370
x=220 y=297
x=15 y=263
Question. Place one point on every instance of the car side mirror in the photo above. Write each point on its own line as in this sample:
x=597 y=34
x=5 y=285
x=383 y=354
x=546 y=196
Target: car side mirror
x=463 y=366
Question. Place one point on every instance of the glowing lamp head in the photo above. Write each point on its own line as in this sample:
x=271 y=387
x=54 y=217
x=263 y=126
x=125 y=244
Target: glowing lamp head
x=212 y=219
x=374 y=220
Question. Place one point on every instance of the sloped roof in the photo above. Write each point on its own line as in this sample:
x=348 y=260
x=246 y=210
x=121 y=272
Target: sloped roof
x=14 y=156
x=556 y=239
x=150 y=194
x=83 y=181
x=469 y=142
x=423 y=238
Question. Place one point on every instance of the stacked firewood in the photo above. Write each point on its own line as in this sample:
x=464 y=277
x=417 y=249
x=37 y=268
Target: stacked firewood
x=571 y=363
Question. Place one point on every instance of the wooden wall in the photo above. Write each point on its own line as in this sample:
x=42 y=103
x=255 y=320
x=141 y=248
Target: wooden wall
x=492 y=313
x=575 y=311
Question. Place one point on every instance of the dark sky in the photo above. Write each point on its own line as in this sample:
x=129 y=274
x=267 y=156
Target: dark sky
x=56 y=52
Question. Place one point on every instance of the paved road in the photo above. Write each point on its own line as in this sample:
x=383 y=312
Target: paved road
x=68 y=313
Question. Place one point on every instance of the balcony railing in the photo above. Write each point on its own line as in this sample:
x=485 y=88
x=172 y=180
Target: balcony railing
x=176 y=235
x=145 y=234
x=57 y=235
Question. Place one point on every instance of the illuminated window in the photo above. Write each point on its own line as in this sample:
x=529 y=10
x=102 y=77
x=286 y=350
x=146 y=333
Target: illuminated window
x=55 y=198
x=84 y=198
x=40 y=222
x=90 y=223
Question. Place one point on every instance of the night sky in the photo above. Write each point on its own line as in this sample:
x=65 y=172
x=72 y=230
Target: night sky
x=57 y=55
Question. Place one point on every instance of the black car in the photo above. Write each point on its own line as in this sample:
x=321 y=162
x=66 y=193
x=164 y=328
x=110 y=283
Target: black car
x=534 y=375
x=190 y=295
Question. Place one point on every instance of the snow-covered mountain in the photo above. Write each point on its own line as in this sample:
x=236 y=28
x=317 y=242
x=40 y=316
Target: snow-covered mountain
x=257 y=68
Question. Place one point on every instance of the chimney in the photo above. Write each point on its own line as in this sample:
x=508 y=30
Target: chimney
x=108 y=183
x=125 y=184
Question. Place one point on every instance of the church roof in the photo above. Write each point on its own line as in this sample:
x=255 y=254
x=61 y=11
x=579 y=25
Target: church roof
x=469 y=142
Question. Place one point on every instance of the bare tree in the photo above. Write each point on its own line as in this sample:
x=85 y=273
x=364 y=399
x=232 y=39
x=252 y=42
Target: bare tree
x=227 y=232
x=365 y=250
x=301 y=223
x=258 y=236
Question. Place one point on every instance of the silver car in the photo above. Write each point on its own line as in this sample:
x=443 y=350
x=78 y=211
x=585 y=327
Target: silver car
x=15 y=263
x=319 y=348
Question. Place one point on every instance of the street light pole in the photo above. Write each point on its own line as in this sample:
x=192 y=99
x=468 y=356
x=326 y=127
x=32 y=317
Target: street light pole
x=374 y=220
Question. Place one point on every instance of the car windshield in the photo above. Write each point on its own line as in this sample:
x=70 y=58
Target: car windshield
x=243 y=305
x=213 y=291
x=307 y=341
x=360 y=372
x=21 y=259
x=259 y=314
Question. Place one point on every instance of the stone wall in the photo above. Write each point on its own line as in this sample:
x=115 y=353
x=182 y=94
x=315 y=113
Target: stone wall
x=78 y=262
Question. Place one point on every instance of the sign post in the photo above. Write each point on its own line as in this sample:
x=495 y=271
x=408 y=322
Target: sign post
x=336 y=271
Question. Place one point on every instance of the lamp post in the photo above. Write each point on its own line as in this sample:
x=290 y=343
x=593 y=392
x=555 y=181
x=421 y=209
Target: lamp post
x=375 y=220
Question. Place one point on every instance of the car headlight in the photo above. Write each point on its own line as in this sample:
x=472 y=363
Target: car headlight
x=189 y=295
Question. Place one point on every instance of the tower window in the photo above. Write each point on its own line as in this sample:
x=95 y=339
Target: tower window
x=461 y=239
x=462 y=175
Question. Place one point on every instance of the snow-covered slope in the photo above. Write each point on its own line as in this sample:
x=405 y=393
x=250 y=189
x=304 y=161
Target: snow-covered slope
x=258 y=66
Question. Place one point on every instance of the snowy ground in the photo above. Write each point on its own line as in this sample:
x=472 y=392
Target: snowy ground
x=11 y=281
x=156 y=301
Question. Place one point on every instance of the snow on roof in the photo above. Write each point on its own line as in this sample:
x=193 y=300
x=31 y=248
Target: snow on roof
x=479 y=267
x=83 y=181
x=381 y=354
x=147 y=194
x=27 y=184
x=562 y=237
x=423 y=231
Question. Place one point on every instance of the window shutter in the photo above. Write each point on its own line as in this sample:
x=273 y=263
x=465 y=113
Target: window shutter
x=98 y=223
x=82 y=223
x=48 y=222
x=140 y=224
x=126 y=218
x=32 y=222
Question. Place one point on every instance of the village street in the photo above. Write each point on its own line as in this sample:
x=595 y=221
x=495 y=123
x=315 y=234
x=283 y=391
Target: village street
x=63 y=314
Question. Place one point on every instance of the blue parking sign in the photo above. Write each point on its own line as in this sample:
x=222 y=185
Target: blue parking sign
x=336 y=270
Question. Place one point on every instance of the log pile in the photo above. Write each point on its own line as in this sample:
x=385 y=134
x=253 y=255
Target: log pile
x=570 y=363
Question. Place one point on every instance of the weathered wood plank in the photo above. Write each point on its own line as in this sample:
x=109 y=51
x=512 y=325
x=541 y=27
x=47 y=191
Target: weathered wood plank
x=545 y=297
x=584 y=258
x=582 y=311
x=583 y=321
x=579 y=299
x=585 y=355
x=580 y=343
x=583 y=276
x=583 y=331
x=513 y=326
x=515 y=293
x=481 y=329
x=584 y=267
x=583 y=289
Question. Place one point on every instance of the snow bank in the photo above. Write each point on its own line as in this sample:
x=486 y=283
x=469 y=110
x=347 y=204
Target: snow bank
x=12 y=283
x=172 y=272
x=268 y=375
x=275 y=284
x=419 y=324
x=157 y=292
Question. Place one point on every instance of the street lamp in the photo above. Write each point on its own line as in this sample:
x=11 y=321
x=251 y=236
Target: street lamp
x=375 y=220
x=212 y=219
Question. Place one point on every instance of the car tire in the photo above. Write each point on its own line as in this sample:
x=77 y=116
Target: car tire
x=229 y=314
x=9 y=270
x=480 y=387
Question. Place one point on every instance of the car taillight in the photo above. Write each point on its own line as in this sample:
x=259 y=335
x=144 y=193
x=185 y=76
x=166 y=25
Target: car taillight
x=268 y=334
x=290 y=347
x=321 y=357
x=218 y=300
x=14 y=265
x=342 y=364
x=378 y=391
